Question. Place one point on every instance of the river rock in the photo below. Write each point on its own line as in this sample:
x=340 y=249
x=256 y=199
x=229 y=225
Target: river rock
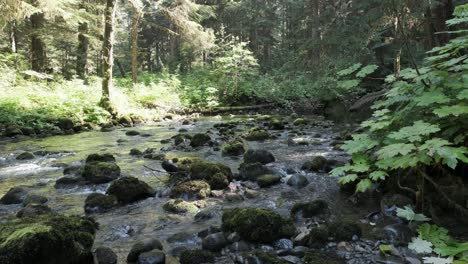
x=251 y=171
x=145 y=245
x=132 y=133
x=199 y=140
x=33 y=210
x=154 y=256
x=310 y=209
x=214 y=242
x=398 y=234
x=99 y=170
x=179 y=206
x=34 y=199
x=257 y=225
x=298 y=181
x=257 y=134
x=234 y=148
x=268 y=180
x=191 y=190
x=15 y=195
x=130 y=189
x=25 y=156
x=284 y=244
x=196 y=256
x=104 y=255
x=47 y=239
x=135 y=152
x=169 y=166
x=258 y=155
x=98 y=203
x=204 y=215
x=344 y=231
x=317 y=163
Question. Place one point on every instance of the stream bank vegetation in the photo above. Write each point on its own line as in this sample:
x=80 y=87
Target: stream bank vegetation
x=397 y=67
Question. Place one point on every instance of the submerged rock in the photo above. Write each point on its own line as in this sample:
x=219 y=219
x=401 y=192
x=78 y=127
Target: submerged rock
x=196 y=256
x=15 y=195
x=49 y=239
x=191 y=190
x=317 y=163
x=154 y=256
x=98 y=203
x=25 y=156
x=143 y=246
x=214 y=242
x=268 y=180
x=130 y=189
x=298 y=181
x=257 y=225
x=104 y=255
x=310 y=209
x=258 y=155
x=33 y=210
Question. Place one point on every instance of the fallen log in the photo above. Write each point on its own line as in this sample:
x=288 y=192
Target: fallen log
x=222 y=109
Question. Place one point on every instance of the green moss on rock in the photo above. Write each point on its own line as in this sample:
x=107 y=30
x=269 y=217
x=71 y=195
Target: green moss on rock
x=217 y=175
x=344 y=230
x=196 y=256
x=97 y=202
x=257 y=134
x=51 y=239
x=310 y=209
x=317 y=163
x=100 y=172
x=199 y=140
x=191 y=190
x=251 y=171
x=130 y=189
x=235 y=148
x=257 y=225
x=268 y=180
x=179 y=206
x=300 y=122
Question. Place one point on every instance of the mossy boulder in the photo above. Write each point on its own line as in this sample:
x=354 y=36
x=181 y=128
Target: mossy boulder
x=140 y=247
x=257 y=225
x=268 y=180
x=217 y=175
x=106 y=157
x=235 y=148
x=199 y=140
x=34 y=199
x=15 y=195
x=196 y=256
x=135 y=152
x=320 y=257
x=251 y=171
x=191 y=190
x=298 y=181
x=257 y=134
x=300 y=122
x=98 y=172
x=25 y=156
x=344 y=230
x=33 y=210
x=132 y=133
x=258 y=155
x=318 y=237
x=48 y=239
x=317 y=163
x=98 y=202
x=179 y=206
x=125 y=121
x=276 y=124
x=130 y=189
x=310 y=209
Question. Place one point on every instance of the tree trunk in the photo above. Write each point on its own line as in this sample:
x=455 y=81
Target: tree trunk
x=120 y=67
x=82 y=51
x=315 y=32
x=135 y=22
x=38 y=48
x=13 y=37
x=107 y=55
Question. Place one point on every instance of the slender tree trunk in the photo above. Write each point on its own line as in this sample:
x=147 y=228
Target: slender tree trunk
x=82 y=51
x=13 y=37
x=38 y=48
x=120 y=67
x=135 y=22
x=107 y=55
x=315 y=32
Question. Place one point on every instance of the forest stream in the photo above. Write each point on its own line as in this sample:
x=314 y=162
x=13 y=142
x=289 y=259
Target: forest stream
x=124 y=225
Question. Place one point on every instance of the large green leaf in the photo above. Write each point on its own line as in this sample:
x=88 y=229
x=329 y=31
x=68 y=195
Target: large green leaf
x=364 y=185
x=454 y=110
x=369 y=69
x=360 y=142
x=395 y=150
x=349 y=70
x=415 y=132
x=432 y=97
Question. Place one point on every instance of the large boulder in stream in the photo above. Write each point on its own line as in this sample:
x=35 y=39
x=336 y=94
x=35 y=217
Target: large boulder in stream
x=25 y=156
x=251 y=171
x=49 y=239
x=143 y=246
x=191 y=190
x=258 y=155
x=130 y=189
x=100 y=169
x=98 y=203
x=257 y=225
x=217 y=175
x=257 y=134
x=317 y=163
x=234 y=148
x=179 y=206
x=199 y=140
x=15 y=195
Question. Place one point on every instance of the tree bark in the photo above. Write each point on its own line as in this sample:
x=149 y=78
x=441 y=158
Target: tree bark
x=82 y=51
x=13 y=37
x=38 y=47
x=137 y=12
x=107 y=54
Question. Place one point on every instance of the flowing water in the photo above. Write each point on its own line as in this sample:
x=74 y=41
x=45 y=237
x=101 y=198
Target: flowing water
x=121 y=227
